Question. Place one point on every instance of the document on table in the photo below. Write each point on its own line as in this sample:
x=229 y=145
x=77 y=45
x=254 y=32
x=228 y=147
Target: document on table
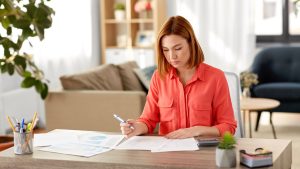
x=76 y=148
x=80 y=143
x=188 y=144
x=158 y=144
x=52 y=138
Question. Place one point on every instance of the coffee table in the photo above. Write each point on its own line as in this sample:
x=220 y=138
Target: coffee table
x=249 y=105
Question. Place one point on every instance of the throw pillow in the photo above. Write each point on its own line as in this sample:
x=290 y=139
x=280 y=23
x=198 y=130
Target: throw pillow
x=145 y=75
x=104 y=77
x=129 y=80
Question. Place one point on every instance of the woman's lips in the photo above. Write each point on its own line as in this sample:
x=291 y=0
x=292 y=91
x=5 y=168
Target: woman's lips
x=175 y=62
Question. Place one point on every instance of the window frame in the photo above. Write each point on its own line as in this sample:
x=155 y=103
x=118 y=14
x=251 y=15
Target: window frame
x=285 y=37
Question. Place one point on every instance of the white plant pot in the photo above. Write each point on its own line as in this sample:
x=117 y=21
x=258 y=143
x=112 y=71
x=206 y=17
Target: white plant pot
x=225 y=157
x=119 y=15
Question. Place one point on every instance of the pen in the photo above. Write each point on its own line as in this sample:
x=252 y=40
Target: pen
x=11 y=124
x=33 y=122
x=121 y=120
x=22 y=126
x=28 y=127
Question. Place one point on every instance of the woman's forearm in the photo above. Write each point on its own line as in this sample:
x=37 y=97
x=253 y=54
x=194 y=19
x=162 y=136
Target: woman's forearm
x=142 y=127
x=207 y=131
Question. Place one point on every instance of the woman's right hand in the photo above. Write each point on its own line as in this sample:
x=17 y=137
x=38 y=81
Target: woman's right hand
x=133 y=128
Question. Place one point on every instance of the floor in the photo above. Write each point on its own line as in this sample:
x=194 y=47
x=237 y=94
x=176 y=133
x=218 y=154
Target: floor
x=287 y=126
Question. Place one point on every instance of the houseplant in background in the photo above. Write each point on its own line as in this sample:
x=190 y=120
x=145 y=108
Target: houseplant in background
x=22 y=20
x=296 y=6
x=225 y=152
x=247 y=79
x=119 y=11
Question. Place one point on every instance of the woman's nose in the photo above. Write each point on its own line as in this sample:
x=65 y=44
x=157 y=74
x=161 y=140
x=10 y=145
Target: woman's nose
x=172 y=55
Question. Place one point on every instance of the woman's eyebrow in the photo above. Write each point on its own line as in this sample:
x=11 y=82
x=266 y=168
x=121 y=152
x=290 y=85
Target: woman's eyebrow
x=173 y=46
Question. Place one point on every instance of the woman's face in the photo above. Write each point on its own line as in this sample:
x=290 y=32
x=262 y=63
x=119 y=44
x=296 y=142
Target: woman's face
x=176 y=50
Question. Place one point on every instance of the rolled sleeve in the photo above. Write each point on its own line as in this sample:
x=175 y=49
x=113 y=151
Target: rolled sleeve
x=148 y=123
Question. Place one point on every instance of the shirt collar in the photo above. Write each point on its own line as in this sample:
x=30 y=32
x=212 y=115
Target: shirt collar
x=199 y=72
x=173 y=73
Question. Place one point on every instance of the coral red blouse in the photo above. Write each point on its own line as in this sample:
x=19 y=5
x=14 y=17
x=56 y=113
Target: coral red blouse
x=203 y=101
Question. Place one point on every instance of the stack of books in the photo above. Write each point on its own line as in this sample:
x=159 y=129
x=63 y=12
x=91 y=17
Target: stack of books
x=259 y=158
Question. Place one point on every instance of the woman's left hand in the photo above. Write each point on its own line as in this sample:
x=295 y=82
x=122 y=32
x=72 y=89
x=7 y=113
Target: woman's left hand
x=183 y=133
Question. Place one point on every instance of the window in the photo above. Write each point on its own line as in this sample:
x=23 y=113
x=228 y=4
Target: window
x=277 y=20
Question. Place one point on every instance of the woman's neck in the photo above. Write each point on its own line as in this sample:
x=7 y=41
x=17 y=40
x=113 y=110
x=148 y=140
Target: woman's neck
x=185 y=74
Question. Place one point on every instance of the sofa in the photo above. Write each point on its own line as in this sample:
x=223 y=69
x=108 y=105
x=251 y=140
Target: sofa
x=89 y=99
x=278 y=75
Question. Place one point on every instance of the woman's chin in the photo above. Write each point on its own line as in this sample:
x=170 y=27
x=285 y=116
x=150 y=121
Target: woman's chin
x=175 y=65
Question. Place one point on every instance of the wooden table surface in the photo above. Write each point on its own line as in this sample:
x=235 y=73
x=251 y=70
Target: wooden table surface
x=201 y=159
x=254 y=104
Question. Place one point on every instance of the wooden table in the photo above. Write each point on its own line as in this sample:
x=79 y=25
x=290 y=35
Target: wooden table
x=125 y=159
x=257 y=104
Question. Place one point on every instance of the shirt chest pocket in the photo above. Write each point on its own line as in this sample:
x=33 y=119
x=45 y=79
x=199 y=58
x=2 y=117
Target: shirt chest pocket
x=167 y=109
x=201 y=114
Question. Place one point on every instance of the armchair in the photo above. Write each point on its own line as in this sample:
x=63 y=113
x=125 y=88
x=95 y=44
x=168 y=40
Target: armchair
x=278 y=75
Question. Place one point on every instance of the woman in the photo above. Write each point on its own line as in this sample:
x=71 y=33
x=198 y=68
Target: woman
x=186 y=97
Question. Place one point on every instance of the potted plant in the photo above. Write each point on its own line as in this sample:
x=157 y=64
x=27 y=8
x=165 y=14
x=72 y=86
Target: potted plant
x=225 y=152
x=21 y=21
x=119 y=11
x=247 y=80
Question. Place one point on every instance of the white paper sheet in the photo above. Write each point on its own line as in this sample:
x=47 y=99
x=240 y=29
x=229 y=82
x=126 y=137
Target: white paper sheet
x=86 y=137
x=98 y=139
x=158 y=144
x=47 y=139
x=142 y=143
x=78 y=149
x=188 y=144
x=75 y=142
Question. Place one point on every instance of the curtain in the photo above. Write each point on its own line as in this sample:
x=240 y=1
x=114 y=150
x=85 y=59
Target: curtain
x=225 y=30
x=72 y=44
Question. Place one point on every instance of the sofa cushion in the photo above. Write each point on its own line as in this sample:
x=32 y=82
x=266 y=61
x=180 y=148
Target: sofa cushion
x=280 y=91
x=129 y=80
x=104 y=77
x=145 y=75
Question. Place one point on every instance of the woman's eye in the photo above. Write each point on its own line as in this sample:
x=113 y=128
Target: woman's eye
x=178 y=49
x=165 y=50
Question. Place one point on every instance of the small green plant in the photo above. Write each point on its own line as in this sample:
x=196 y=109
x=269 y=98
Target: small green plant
x=119 y=6
x=227 y=142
